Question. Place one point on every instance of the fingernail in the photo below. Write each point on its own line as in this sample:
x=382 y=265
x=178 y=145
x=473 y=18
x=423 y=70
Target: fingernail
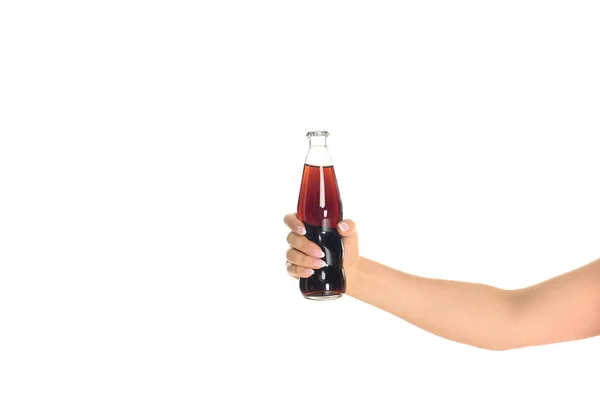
x=344 y=226
x=317 y=253
x=308 y=271
x=318 y=263
x=300 y=230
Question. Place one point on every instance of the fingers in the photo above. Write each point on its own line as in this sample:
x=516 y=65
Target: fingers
x=349 y=234
x=304 y=245
x=304 y=256
x=346 y=227
x=298 y=258
x=299 y=263
x=292 y=221
x=297 y=271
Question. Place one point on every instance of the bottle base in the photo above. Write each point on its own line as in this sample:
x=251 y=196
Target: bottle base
x=322 y=295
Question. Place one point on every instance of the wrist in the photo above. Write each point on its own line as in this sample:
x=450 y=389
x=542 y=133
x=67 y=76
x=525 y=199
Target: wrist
x=353 y=276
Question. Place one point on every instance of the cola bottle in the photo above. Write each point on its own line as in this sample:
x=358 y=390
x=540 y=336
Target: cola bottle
x=320 y=209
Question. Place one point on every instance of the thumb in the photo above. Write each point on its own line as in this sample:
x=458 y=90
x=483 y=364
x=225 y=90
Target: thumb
x=349 y=234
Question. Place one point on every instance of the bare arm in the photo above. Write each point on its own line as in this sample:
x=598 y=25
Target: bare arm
x=563 y=308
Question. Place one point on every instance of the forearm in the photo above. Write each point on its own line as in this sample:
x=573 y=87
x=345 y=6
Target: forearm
x=470 y=313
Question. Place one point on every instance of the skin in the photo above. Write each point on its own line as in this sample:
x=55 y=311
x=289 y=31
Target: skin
x=563 y=308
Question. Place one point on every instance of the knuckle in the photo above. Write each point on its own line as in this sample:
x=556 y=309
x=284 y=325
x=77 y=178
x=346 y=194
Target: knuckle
x=295 y=257
x=291 y=270
x=290 y=237
x=289 y=254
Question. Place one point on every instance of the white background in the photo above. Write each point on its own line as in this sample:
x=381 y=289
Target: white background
x=149 y=151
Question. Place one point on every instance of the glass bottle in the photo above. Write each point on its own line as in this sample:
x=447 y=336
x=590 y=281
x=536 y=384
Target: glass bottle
x=320 y=209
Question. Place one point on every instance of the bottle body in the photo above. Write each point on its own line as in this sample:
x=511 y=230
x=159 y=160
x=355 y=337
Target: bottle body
x=320 y=209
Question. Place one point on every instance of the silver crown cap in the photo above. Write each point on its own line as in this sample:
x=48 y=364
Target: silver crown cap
x=317 y=133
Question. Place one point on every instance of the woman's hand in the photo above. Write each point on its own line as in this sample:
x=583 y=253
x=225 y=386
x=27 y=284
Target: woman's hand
x=304 y=256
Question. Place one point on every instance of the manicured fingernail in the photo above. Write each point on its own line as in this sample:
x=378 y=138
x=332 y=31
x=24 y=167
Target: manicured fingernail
x=308 y=271
x=344 y=226
x=317 y=253
x=300 y=230
x=318 y=263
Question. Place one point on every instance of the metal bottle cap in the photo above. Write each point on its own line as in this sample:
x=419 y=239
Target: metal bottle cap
x=317 y=133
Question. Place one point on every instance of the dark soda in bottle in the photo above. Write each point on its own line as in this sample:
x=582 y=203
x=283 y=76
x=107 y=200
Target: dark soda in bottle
x=320 y=209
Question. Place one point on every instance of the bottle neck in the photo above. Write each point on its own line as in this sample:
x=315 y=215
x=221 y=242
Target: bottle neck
x=317 y=141
x=318 y=153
